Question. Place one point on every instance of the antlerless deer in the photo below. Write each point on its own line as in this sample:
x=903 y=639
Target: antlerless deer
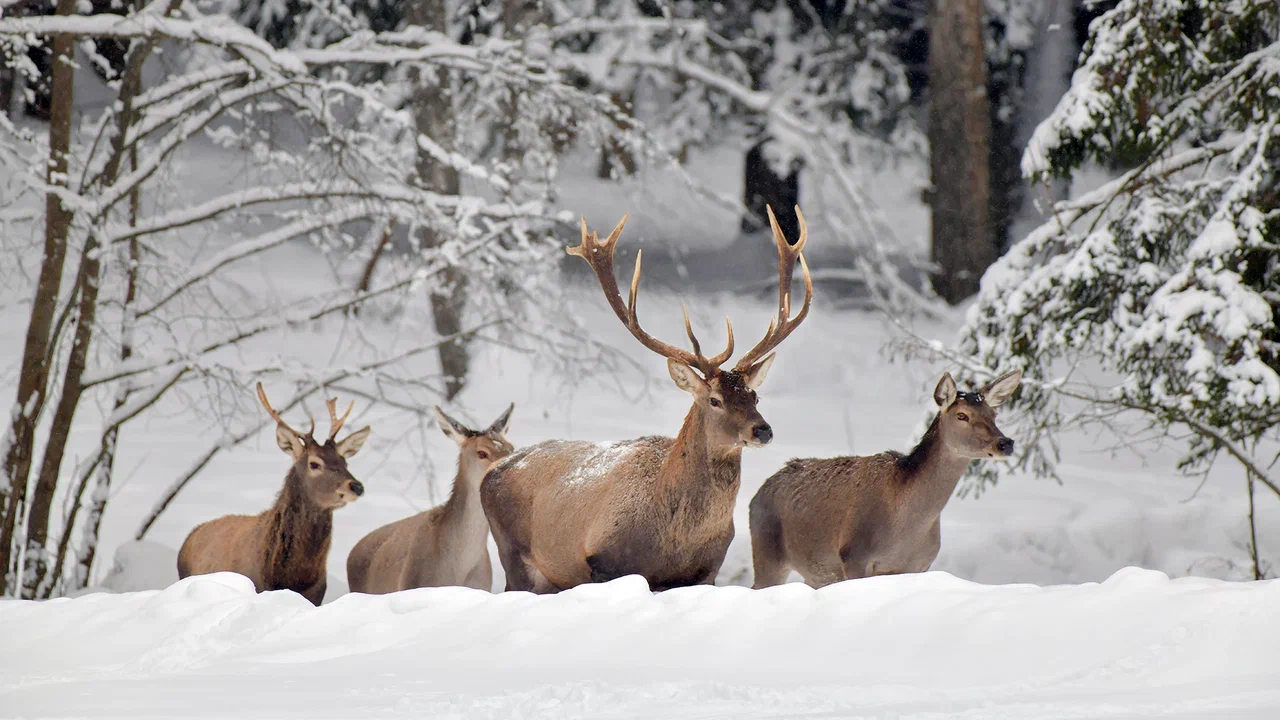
x=286 y=547
x=446 y=545
x=851 y=517
x=568 y=512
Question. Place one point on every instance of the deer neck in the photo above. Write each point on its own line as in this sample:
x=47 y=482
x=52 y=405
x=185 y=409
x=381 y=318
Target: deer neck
x=463 y=511
x=296 y=538
x=930 y=478
x=697 y=472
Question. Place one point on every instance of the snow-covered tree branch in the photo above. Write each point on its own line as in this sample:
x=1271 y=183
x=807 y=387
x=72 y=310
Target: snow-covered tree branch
x=1157 y=292
x=155 y=303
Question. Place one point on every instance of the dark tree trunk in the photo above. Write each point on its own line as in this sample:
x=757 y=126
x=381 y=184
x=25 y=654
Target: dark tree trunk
x=434 y=117
x=1006 y=180
x=616 y=158
x=33 y=378
x=959 y=141
x=88 y=279
x=37 y=580
x=763 y=187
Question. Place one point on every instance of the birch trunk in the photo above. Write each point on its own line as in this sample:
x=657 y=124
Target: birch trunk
x=34 y=375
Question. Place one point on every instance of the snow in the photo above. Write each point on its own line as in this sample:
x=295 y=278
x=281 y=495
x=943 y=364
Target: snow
x=606 y=457
x=914 y=646
x=141 y=643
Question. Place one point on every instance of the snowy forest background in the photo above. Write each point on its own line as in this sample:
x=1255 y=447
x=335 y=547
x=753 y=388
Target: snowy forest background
x=370 y=199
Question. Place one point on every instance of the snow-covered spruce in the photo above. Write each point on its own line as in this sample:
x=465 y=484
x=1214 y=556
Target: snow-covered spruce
x=1167 y=277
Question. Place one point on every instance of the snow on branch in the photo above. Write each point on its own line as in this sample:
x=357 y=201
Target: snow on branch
x=1164 y=277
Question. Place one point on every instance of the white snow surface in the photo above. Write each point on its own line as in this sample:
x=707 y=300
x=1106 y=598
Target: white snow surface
x=914 y=646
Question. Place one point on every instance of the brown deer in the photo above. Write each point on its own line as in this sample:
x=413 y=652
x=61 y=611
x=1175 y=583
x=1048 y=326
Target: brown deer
x=286 y=547
x=850 y=517
x=446 y=545
x=568 y=512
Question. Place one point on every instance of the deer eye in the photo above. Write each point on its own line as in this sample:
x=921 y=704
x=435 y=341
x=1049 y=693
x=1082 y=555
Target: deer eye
x=315 y=465
x=962 y=417
x=714 y=402
x=482 y=454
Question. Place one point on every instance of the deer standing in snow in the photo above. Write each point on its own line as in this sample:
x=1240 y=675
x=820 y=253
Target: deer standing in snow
x=286 y=547
x=850 y=517
x=446 y=545
x=567 y=512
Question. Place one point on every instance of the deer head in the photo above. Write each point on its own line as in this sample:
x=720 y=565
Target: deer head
x=478 y=449
x=322 y=468
x=727 y=399
x=967 y=421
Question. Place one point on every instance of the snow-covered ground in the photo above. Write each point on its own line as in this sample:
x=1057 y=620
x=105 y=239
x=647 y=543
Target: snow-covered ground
x=926 y=646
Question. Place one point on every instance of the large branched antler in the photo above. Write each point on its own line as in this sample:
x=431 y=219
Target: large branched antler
x=262 y=397
x=782 y=326
x=599 y=255
x=335 y=422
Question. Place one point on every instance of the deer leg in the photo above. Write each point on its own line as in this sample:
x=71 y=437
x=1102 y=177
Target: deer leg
x=857 y=562
x=315 y=593
x=518 y=572
x=481 y=576
x=602 y=570
x=768 y=559
x=928 y=552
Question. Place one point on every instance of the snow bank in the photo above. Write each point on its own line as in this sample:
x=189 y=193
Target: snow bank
x=145 y=565
x=1136 y=645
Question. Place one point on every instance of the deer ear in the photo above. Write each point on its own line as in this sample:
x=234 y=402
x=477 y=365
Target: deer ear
x=945 y=393
x=999 y=390
x=499 y=426
x=456 y=431
x=757 y=373
x=351 y=444
x=685 y=377
x=290 y=442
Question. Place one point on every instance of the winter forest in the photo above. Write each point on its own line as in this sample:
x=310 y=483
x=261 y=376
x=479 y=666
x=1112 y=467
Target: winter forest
x=1000 y=436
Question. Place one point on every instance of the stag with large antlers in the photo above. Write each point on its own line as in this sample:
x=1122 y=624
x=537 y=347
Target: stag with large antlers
x=286 y=547
x=567 y=512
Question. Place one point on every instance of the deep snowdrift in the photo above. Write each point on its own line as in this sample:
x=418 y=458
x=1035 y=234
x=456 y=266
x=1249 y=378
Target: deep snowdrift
x=1137 y=645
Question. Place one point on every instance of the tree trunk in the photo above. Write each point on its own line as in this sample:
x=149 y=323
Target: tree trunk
x=110 y=439
x=434 y=117
x=36 y=565
x=33 y=379
x=616 y=158
x=959 y=142
x=37 y=580
x=765 y=187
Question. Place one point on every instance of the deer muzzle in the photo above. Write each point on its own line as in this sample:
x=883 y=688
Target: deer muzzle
x=761 y=434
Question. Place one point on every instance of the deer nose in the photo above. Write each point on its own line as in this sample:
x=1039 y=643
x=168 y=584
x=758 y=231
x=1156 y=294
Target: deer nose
x=762 y=433
x=357 y=488
x=1005 y=445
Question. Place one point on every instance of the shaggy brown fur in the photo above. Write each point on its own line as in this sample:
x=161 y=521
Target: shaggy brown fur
x=286 y=547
